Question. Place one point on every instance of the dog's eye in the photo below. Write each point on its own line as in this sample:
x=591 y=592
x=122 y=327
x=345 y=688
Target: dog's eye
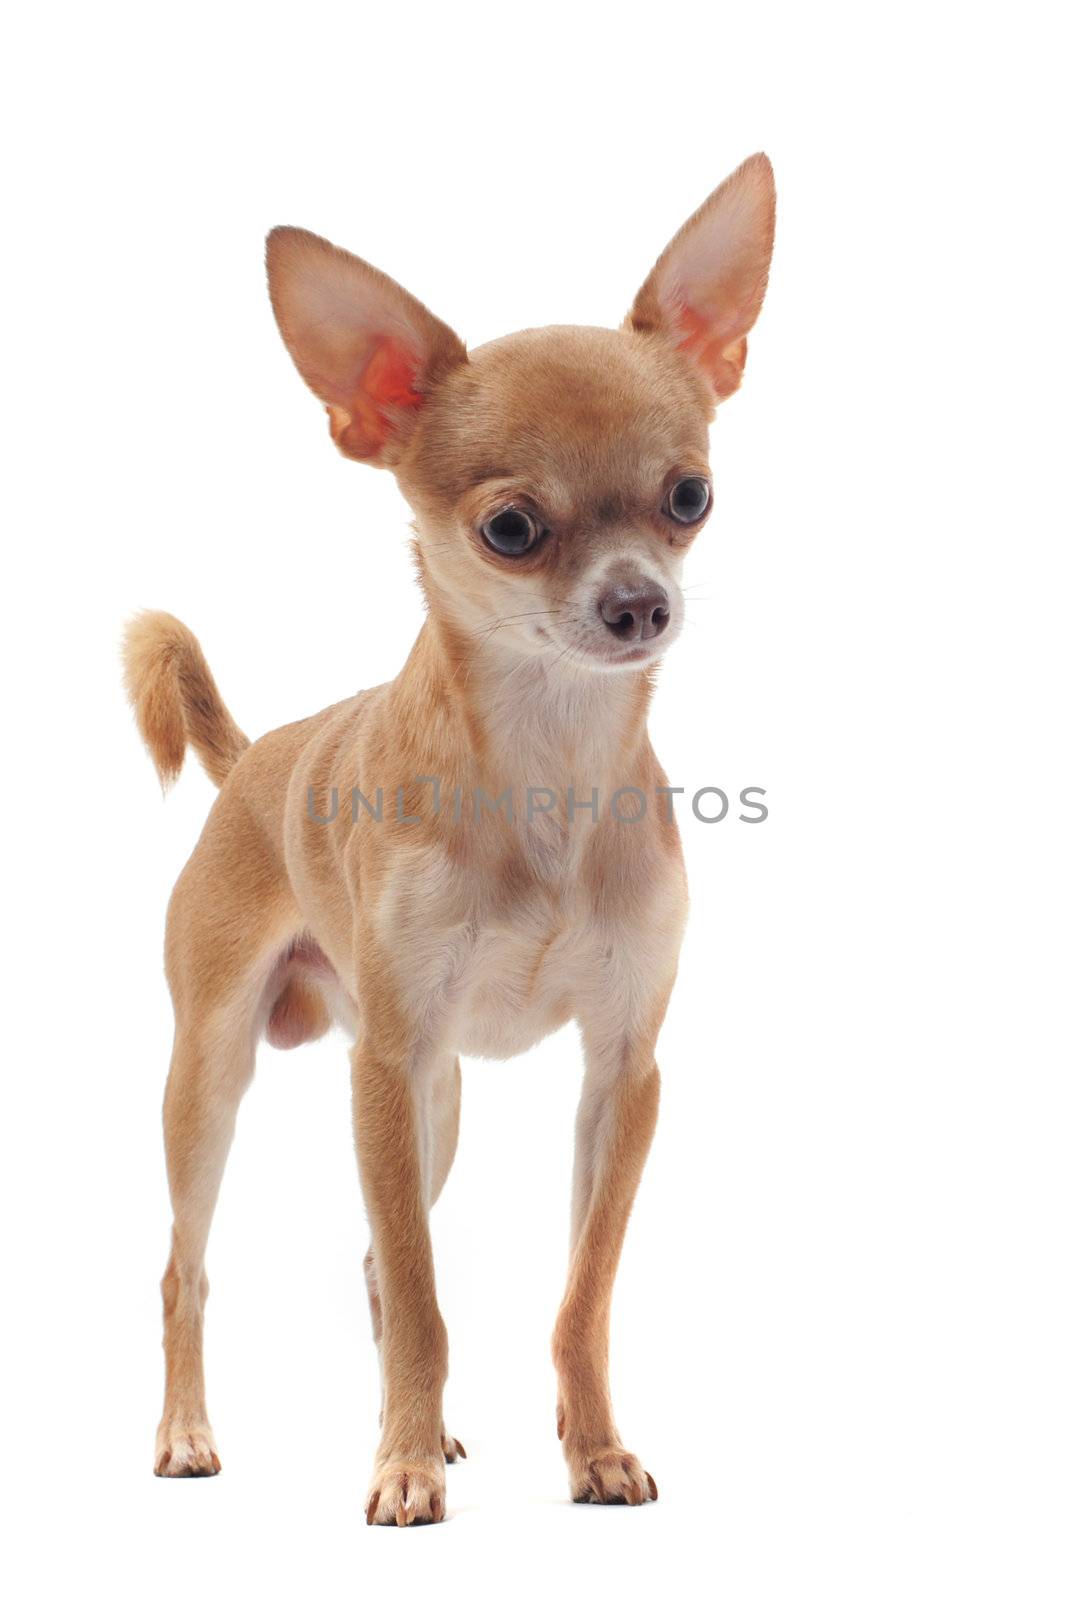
x=688 y=500
x=511 y=532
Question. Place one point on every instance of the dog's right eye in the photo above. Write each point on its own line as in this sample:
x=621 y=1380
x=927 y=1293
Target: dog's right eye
x=511 y=532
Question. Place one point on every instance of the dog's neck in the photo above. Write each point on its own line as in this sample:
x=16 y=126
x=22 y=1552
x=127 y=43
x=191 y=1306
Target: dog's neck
x=528 y=721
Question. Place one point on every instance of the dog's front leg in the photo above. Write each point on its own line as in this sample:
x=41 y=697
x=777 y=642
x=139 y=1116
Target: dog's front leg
x=408 y=1485
x=616 y=1121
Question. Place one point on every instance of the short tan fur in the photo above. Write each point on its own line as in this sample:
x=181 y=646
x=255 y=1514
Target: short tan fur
x=557 y=479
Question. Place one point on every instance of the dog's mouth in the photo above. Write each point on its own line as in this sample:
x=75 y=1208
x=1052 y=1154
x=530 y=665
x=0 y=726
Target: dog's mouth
x=592 y=655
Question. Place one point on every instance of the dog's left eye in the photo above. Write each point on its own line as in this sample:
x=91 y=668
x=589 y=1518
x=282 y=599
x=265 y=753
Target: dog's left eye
x=688 y=500
x=511 y=532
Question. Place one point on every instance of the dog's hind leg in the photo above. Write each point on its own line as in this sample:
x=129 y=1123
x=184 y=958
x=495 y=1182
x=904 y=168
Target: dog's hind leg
x=210 y=1069
x=226 y=931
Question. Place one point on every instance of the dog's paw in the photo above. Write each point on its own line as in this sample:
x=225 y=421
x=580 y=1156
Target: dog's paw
x=611 y=1477
x=404 y=1493
x=451 y=1448
x=185 y=1451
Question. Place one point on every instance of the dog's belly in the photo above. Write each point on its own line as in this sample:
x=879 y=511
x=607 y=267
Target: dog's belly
x=513 y=990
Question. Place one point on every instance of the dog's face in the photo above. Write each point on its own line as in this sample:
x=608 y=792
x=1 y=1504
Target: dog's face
x=559 y=476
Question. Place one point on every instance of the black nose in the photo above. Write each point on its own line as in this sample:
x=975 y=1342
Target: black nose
x=635 y=611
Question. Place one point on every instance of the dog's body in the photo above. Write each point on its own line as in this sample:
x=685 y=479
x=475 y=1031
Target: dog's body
x=362 y=866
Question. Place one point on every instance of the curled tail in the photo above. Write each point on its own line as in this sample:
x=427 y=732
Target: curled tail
x=176 y=700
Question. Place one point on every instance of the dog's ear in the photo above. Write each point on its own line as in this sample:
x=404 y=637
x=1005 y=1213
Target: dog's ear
x=365 y=346
x=706 y=289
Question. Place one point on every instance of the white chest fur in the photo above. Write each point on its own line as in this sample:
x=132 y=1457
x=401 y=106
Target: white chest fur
x=487 y=976
x=482 y=976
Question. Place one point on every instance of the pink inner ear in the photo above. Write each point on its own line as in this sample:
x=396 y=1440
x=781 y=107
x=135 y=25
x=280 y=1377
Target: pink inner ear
x=717 y=347
x=389 y=376
x=694 y=329
x=386 y=382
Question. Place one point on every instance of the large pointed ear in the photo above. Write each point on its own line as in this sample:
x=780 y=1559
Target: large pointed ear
x=364 y=345
x=706 y=289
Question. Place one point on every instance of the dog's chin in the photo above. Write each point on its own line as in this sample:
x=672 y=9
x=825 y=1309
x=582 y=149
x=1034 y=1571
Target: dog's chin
x=634 y=660
x=581 y=658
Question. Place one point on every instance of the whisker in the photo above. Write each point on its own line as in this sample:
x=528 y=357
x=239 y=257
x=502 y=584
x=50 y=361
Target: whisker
x=518 y=616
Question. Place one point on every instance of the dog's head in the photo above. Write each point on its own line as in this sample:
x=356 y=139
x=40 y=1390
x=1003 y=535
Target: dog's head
x=557 y=476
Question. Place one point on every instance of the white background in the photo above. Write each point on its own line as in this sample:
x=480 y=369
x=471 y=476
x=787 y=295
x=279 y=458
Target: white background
x=840 y=1322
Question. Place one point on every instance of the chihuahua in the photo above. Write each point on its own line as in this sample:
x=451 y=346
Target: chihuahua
x=557 y=478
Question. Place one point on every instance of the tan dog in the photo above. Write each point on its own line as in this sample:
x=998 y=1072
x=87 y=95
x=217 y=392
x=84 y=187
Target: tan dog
x=423 y=863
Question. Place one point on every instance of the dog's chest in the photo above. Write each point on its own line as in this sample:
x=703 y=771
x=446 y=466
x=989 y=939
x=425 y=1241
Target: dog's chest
x=489 y=973
x=514 y=985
